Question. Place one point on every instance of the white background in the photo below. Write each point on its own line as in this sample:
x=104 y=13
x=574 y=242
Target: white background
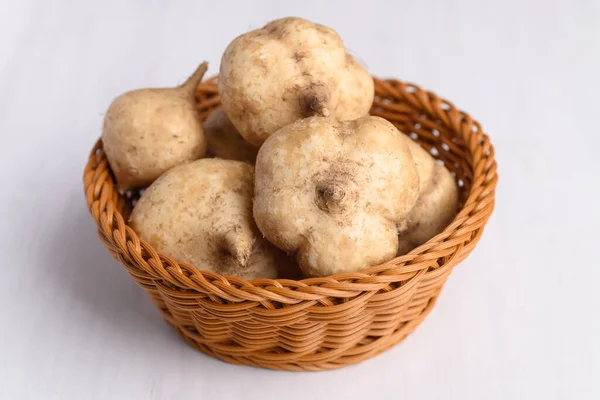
x=518 y=320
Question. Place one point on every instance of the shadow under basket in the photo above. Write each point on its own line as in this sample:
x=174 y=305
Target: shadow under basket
x=318 y=323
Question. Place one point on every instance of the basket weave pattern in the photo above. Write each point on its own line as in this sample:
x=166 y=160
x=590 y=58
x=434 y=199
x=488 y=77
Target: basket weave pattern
x=317 y=323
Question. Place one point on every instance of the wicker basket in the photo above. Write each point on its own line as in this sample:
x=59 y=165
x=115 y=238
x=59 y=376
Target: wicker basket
x=317 y=323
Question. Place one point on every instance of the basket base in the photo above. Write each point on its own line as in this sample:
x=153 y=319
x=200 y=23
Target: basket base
x=350 y=356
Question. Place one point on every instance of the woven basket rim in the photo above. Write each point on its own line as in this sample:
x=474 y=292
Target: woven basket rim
x=102 y=198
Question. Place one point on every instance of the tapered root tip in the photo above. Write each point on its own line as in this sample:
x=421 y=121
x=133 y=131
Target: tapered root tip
x=237 y=245
x=193 y=81
x=314 y=100
x=322 y=111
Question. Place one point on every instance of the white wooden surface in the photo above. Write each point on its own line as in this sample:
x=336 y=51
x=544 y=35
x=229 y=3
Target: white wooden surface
x=518 y=320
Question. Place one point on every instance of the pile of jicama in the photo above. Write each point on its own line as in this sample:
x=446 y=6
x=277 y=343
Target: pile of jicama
x=290 y=177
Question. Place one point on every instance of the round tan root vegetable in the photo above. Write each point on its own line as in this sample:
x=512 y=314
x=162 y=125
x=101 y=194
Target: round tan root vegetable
x=148 y=131
x=332 y=192
x=436 y=206
x=288 y=70
x=224 y=141
x=200 y=213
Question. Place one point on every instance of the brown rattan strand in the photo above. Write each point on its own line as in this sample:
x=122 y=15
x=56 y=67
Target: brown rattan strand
x=317 y=323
